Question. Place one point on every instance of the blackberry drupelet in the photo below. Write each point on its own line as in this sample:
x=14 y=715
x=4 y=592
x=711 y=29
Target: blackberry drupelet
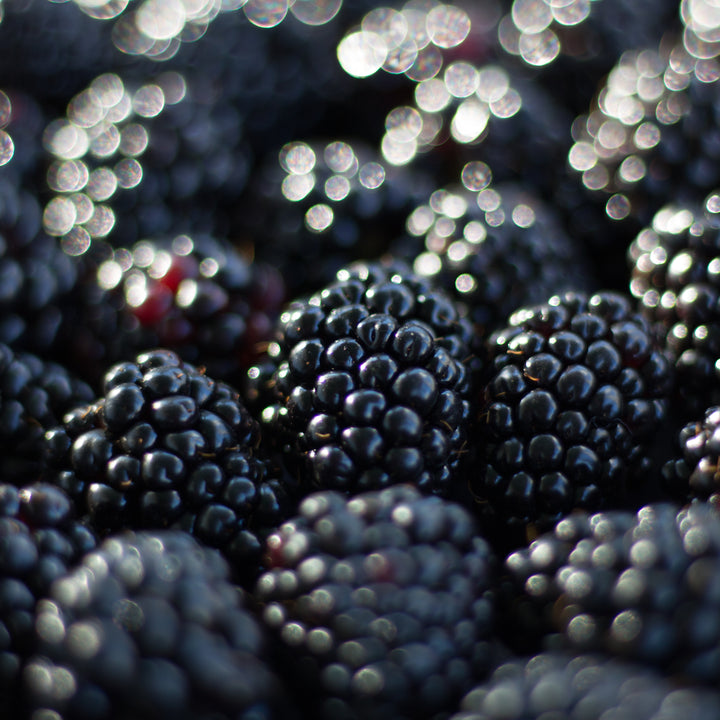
x=371 y=382
x=642 y=586
x=584 y=687
x=34 y=396
x=381 y=602
x=149 y=626
x=495 y=249
x=675 y=277
x=198 y=296
x=695 y=473
x=167 y=446
x=574 y=390
x=40 y=540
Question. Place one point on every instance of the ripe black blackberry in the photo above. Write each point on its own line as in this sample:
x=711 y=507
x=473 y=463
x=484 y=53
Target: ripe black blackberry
x=41 y=540
x=574 y=390
x=150 y=626
x=695 y=473
x=587 y=687
x=167 y=446
x=317 y=206
x=675 y=277
x=642 y=586
x=34 y=396
x=495 y=249
x=371 y=382
x=198 y=296
x=381 y=602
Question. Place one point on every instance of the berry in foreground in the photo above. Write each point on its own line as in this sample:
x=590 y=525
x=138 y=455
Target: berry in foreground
x=148 y=626
x=584 y=687
x=642 y=586
x=576 y=389
x=381 y=603
x=40 y=540
x=371 y=381
x=167 y=446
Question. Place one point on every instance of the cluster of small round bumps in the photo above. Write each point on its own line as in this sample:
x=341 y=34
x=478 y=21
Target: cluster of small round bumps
x=575 y=387
x=370 y=381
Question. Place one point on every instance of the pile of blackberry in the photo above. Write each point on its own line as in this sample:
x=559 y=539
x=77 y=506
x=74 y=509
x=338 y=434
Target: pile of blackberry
x=359 y=359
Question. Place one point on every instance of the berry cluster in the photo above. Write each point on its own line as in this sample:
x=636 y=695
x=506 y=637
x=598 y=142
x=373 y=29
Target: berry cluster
x=359 y=360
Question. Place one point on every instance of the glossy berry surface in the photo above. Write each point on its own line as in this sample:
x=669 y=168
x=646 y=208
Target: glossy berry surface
x=371 y=381
x=34 y=396
x=674 y=266
x=574 y=388
x=694 y=473
x=150 y=626
x=563 y=687
x=637 y=585
x=381 y=602
x=41 y=540
x=167 y=446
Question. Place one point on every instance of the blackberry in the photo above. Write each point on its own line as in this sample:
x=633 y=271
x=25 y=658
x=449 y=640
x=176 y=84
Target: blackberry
x=318 y=206
x=34 y=396
x=371 y=382
x=674 y=276
x=198 y=296
x=587 y=687
x=650 y=135
x=382 y=603
x=149 y=626
x=167 y=446
x=40 y=540
x=642 y=586
x=575 y=389
x=494 y=249
x=694 y=474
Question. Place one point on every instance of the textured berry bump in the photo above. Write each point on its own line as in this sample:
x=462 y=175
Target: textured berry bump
x=167 y=446
x=696 y=473
x=676 y=278
x=382 y=603
x=372 y=380
x=40 y=540
x=584 y=687
x=576 y=388
x=643 y=586
x=148 y=626
x=34 y=396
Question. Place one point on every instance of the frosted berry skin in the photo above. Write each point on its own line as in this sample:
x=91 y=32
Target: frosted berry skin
x=40 y=540
x=371 y=381
x=642 y=586
x=381 y=602
x=584 y=687
x=694 y=473
x=167 y=446
x=149 y=626
x=575 y=388
x=675 y=266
